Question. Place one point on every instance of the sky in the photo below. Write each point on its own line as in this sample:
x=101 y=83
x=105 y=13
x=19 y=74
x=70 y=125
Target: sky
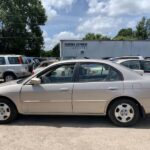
x=72 y=19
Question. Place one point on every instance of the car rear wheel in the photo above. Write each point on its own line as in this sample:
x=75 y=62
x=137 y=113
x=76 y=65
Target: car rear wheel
x=9 y=77
x=124 y=113
x=8 y=111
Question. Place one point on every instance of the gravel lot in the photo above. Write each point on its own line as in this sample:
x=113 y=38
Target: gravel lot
x=72 y=133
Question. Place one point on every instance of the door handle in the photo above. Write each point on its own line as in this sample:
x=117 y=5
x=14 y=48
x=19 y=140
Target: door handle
x=112 y=88
x=64 y=89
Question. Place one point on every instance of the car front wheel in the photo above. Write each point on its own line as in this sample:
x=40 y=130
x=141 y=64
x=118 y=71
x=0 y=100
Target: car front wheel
x=8 y=111
x=124 y=113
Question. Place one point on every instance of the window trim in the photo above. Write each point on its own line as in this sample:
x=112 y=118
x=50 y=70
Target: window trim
x=78 y=70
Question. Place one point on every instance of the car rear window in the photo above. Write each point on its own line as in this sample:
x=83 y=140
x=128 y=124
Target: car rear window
x=2 y=61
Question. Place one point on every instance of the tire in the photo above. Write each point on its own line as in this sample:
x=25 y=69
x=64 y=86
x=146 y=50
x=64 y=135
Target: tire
x=124 y=113
x=9 y=77
x=8 y=111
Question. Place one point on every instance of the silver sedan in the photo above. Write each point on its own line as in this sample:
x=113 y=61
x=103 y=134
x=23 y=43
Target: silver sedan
x=79 y=87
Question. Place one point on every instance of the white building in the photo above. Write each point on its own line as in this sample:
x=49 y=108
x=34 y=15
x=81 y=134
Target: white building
x=103 y=49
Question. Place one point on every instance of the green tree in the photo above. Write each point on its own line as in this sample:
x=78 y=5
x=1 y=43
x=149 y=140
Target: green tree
x=20 y=22
x=141 y=31
x=125 y=34
x=148 y=28
x=55 y=52
x=46 y=53
x=92 y=36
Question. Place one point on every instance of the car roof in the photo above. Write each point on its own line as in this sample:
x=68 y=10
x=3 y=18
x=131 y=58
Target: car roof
x=127 y=57
x=124 y=60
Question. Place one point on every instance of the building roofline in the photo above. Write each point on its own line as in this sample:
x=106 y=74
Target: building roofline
x=107 y=40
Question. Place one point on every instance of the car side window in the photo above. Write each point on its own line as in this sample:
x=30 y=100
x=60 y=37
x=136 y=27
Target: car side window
x=146 y=66
x=13 y=60
x=60 y=74
x=92 y=72
x=126 y=64
x=2 y=61
x=132 y=64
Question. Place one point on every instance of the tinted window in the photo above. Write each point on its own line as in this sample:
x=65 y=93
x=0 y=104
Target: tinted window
x=13 y=60
x=98 y=72
x=132 y=64
x=146 y=66
x=60 y=74
x=126 y=64
x=2 y=61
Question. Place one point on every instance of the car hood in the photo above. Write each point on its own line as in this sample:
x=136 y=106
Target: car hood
x=8 y=83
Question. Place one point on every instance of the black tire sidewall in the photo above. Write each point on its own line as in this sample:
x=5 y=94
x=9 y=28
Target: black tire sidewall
x=13 y=111
x=9 y=75
x=111 y=113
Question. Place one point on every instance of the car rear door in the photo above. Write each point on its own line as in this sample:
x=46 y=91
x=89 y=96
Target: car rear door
x=97 y=84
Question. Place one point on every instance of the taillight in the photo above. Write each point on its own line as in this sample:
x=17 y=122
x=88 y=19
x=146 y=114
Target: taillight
x=20 y=60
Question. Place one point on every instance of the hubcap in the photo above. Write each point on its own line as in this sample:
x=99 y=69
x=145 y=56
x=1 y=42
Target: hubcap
x=4 y=111
x=9 y=78
x=124 y=113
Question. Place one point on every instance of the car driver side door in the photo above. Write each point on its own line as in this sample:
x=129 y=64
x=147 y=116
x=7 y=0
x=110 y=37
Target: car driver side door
x=53 y=95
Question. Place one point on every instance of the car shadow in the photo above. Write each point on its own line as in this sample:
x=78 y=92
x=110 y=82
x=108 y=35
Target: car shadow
x=73 y=121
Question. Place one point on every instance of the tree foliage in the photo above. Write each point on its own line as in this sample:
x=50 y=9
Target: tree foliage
x=55 y=52
x=141 y=31
x=20 y=22
x=92 y=36
x=125 y=34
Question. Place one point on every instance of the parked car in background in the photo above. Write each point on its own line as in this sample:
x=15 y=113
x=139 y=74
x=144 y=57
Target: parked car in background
x=43 y=64
x=136 y=65
x=13 y=67
x=31 y=63
x=79 y=87
x=127 y=57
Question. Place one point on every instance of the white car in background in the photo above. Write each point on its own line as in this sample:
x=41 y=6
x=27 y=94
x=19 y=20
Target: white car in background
x=13 y=67
x=43 y=64
x=140 y=66
x=127 y=57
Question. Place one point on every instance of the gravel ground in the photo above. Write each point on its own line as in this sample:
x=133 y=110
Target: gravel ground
x=72 y=133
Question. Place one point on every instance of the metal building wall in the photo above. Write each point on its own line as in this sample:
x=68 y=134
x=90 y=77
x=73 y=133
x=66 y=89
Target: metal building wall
x=100 y=49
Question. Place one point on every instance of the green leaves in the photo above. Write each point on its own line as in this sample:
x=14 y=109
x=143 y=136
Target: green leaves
x=20 y=26
x=142 y=31
x=92 y=36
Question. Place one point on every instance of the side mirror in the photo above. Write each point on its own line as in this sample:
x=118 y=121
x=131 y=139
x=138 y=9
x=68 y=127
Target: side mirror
x=35 y=81
x=141 y=72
